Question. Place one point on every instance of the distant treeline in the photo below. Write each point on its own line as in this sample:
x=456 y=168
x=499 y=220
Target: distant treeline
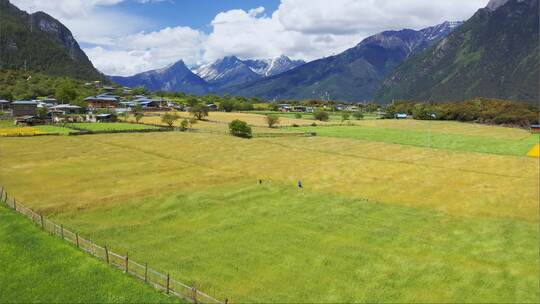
x=481 y=110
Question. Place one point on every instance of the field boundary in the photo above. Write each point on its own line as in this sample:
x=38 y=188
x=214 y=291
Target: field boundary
x=160 y=281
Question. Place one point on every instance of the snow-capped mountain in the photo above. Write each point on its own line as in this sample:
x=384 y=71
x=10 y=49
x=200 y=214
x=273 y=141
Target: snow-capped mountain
x=353 y=75
x=232 y=70
x=274 y=66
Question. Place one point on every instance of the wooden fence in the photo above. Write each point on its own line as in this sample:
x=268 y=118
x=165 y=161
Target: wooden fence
x=141 y=271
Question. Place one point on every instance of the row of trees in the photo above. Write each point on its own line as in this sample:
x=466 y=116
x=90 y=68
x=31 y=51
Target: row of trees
x=481 y=110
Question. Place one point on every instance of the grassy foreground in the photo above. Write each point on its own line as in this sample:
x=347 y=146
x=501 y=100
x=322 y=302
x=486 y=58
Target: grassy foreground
x=38 y=268
x=275 y=243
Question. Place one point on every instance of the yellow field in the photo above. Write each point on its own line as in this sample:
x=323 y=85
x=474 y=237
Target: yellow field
x=107 y=169
x=19 y=131
x=535 y=151
x=256 y=120
x=374 y=221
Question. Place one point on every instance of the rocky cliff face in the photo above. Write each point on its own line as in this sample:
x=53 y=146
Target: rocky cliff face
x=38 y=42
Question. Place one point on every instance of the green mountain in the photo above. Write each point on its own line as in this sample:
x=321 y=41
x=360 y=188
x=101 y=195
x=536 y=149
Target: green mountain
x=353 y=75
x=38 y=42
x=494 y=54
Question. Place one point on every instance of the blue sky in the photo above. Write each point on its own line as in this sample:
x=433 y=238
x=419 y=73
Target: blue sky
x=194 y=13
x=124 y=37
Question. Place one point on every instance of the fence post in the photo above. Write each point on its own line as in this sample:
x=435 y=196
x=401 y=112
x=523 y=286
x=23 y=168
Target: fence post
x=106 y=254
x=127 y=262
x=168 y=280
x=146 y=272
x=62 y=231
x=14 y=203
x=42 y=223
x=226 y=301
x=77 y=239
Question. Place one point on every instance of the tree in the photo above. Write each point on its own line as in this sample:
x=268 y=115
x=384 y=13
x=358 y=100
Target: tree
x=66 y=92
x=227 y=105
x=321 y=115
x=169 y=119
x=42 y=112
x=137 y=112
x=272 y=120
x=358 y=115
x=184 y=124
x=298 y=115
x=192 y=101
x=199 y=111
x=345 y=116
x=240 y=129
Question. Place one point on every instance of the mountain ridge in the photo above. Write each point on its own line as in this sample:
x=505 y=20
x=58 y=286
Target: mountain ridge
x=39 y=42
x=352 y=75
x=493 y=55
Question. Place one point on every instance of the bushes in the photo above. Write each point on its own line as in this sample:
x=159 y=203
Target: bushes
x=240 y=128
x=481 y=110
x=272 y=120
x=321 y=115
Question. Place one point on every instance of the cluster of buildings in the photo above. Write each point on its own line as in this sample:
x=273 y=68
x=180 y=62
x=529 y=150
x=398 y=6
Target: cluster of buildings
x=49 y=109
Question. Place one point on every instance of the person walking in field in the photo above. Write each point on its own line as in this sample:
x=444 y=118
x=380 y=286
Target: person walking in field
x=300 y=184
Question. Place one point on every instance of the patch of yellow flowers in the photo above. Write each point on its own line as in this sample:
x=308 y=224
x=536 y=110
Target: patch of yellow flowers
x=535 y=151
x=19 y=131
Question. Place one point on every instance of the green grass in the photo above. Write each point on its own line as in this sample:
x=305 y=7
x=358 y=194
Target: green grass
x=39 y=268
x=437 y=140
x=51 y=129
x=96 y=127
x=275 y=243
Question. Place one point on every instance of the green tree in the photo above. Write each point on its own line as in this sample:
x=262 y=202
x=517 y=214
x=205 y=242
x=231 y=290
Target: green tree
x=358 y=115
x=298 y=115
x=66 y=92
x=138 y=113
x=192 y=101
x=321 y=115
x=240 y=129
x=169 y=119
x=345 y=116
x=272 y=120
x=199 y=111
x=184 y=124
x=227 y=105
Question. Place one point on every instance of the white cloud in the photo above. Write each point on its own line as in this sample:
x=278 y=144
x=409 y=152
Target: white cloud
x=301 y=29
x=146 y=51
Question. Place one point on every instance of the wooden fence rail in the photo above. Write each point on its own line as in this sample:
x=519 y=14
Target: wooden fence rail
x=141 y=271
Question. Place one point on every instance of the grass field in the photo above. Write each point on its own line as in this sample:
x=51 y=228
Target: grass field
x=11 y=130
x=375 y=221
x=439 y=135
x=119 y=126
x=38 y=268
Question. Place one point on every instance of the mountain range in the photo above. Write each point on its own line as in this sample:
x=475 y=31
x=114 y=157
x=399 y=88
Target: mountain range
x=40 y=43
x=353 y=75
x=494 y=54
x=210 y=77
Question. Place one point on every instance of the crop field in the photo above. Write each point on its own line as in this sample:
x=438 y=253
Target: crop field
x=8 y=129
x=257 y=120
x=31 y=260
x=119 y=126
x=439 y=135
x=375 y=221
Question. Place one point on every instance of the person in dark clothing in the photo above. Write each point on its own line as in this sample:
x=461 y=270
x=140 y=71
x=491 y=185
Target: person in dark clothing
x=300 y=184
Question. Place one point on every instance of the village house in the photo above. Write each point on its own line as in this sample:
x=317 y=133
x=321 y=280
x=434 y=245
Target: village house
x=24 y=108
x=4 y=105
x=102 y=101
x=67 y=109
x=535 y=129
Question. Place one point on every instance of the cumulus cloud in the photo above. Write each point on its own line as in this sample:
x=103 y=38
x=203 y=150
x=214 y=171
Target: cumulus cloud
x=146 y=51
x=300 y=29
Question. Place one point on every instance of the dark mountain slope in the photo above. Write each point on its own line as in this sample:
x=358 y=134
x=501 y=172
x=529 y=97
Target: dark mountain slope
x=40 y=43
x=494 y=54
x=353 y=75
x=176 y=78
